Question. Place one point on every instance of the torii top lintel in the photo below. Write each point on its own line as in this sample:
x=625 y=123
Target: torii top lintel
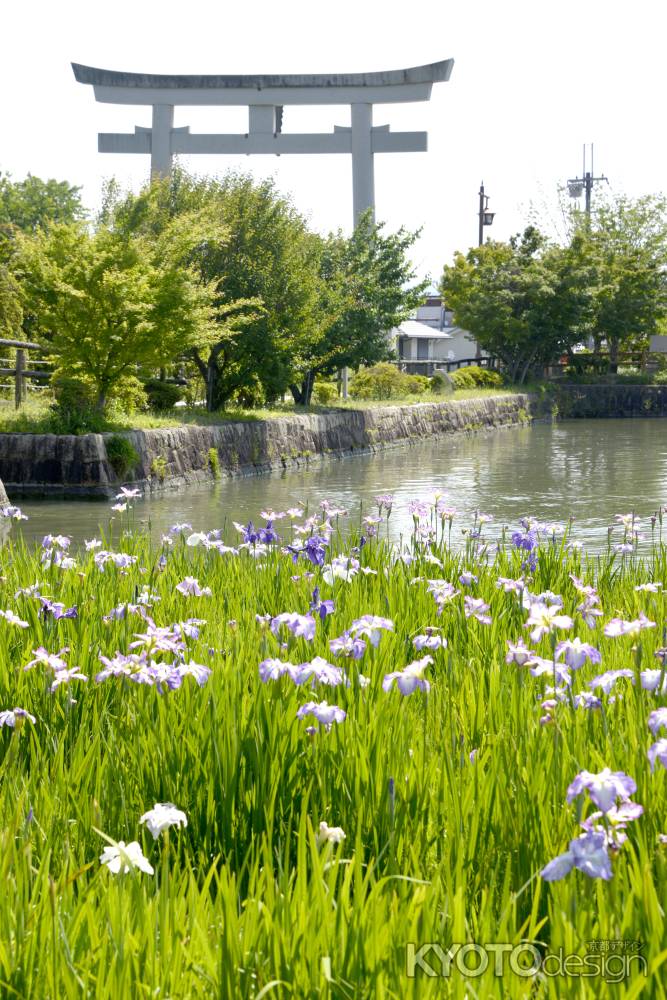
x=388 y=87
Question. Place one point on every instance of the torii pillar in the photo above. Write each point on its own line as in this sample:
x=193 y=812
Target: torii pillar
x=266 y=97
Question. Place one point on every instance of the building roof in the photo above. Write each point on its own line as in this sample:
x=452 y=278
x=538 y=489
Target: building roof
x=420 y=331
x=430 y=73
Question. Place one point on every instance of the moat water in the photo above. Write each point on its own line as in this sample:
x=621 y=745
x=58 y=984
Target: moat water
x=587 y=470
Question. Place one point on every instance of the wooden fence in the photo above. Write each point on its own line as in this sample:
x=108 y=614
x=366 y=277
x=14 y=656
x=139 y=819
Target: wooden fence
x=23 y=375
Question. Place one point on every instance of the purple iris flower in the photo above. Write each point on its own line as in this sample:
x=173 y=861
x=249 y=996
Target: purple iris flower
x=525 y=540
x=268 y=535
x=650 y=680
x=318 y=670
x=588 y=852
x=475 y=607
x=315 y=549
x=617 y=626
x=273 y=670
x=324 y=713
x=539 y=666
x=301 y=626
x=250 y=536
x=604 y=788
x=577 y=652
x=587 y=700
x=372 y=627
x=430 y=640
x=607 y=680
x=57 y=609
x=409 y=678
x=658 y=752
x=657 y=720
x=348 y=645
x=519 y=653
x=323 y=608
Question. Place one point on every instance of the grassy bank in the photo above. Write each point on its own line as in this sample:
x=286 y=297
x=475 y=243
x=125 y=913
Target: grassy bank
x=36 y=416
x=451 y=800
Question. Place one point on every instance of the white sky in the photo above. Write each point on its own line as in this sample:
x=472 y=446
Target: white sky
x=533 y=81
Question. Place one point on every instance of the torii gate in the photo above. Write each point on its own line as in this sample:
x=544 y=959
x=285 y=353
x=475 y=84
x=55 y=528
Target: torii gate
x=265 y=98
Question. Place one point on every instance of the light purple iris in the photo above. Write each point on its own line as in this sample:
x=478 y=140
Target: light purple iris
x=13 y=619
x=409 y=678
x=273 y=670
x=325 y=714
x=301 y=626
x=65 y=676
x=544 y=618
x=475 y=607
x=658 y=752
x=189 y=587
x=657 y=720
x=467 y=579
x=604 y=788
x=586 y=699
x=372 y=627
x=430 y=640
x=617 y=626
x=54 y=661
x=11 y=716
x=575 y=653
x=13 y=513
x=442 y=591
x=319 y=671
x=607 y=680
x=519 y=653
x=348 y=645
x=587 y=852
x=650 y=680
x=539 y=666
x=511 y=586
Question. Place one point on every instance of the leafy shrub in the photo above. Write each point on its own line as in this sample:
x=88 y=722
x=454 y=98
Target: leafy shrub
x=159 y=467
x=441 y=384
x=417 y=385
x=126 y=397
x=74 y=406
x=324 y=392
x=476 y=377
x=385 y=381
x=660 y=378
x=121 y=455
x=162 y=396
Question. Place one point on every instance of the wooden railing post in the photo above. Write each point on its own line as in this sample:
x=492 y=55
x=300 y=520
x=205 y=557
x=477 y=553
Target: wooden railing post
x=19 y=384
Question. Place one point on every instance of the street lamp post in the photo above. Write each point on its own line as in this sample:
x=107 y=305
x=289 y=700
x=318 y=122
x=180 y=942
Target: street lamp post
x=485 y=217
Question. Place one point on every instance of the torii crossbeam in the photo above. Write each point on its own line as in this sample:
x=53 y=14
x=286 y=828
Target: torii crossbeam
x=265 y=97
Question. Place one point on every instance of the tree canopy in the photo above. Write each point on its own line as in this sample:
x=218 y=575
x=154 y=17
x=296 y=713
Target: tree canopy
x=525 y=301
x=106 y=302
x=33 y=202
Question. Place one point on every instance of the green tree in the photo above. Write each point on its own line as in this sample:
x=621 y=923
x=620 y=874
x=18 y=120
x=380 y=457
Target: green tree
x=11 y=313
x=33 y=202
x=625 y=245
x=525 y=301
x=107 y=303
x=367 y=286
x=267 y=266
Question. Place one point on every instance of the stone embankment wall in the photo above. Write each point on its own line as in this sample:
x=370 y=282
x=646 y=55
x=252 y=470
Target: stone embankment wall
x=50 y=465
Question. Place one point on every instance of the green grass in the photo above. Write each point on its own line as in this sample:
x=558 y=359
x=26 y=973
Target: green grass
x=35 y=416
x=244 y=903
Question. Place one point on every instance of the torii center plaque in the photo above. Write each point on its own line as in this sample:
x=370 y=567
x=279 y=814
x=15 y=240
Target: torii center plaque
x=266 y=97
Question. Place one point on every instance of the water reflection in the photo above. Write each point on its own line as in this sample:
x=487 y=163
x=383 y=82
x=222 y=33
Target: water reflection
x=588 y=469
